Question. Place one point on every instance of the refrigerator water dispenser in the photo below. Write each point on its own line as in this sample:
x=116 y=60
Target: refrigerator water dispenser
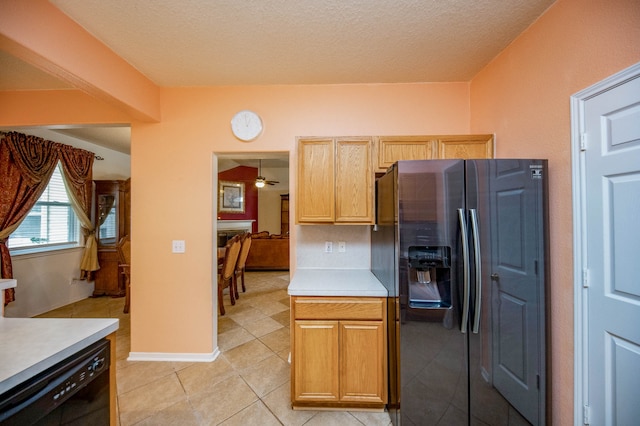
x=429 y=277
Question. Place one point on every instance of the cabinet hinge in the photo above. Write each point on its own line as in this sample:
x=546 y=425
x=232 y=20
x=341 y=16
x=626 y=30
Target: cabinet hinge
x=586 y=412
x=585 y=278
x=583 y=141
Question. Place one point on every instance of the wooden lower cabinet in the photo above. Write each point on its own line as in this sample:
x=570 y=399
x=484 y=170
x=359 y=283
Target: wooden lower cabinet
x=340 y=358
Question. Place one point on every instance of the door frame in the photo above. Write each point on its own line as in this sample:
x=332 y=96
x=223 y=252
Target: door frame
x=581 y=312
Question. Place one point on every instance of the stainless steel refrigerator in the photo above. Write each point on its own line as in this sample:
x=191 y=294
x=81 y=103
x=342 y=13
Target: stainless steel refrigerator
x=461 y=246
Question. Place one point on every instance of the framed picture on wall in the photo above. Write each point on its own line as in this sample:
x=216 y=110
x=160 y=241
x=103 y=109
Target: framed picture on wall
x=231 y=197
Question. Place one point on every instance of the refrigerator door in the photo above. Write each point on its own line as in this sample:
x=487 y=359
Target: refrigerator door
x=505 y=199
x=433 y=368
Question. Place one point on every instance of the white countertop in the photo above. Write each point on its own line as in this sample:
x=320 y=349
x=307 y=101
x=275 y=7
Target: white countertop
x=29 y=346
x=6 y=283
x=335 y=282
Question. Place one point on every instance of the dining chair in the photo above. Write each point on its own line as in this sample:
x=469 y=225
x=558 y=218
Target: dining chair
x=242 y=260
x=226 y=275
x=124 y=264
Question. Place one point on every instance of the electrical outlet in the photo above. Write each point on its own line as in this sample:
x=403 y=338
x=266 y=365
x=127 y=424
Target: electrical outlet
x=328 y=246
x=177 y=246
x=342 y=246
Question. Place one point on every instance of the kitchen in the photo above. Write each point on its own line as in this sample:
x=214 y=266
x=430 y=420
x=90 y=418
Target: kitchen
x=520 y=97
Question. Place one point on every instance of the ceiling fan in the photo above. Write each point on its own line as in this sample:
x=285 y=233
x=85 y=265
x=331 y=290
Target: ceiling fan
x=261 y=181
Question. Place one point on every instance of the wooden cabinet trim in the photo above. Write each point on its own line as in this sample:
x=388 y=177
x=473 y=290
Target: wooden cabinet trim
x=363 y=308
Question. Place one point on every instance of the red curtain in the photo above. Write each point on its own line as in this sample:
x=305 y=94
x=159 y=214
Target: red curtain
x=26 y=165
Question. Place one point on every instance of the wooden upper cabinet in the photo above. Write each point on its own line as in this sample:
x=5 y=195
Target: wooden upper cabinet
x=335 y=181
x=465 y=147
x=316 y=180
x=354 y=181
x=393 y=148
x=336 y=174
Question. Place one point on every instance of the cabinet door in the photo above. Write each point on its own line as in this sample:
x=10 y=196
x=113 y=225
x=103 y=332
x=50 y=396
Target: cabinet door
x=315 y=361
x=394 y=148
x=315 y=194
x=465 y=147
x=363 y=356
x=354 y=181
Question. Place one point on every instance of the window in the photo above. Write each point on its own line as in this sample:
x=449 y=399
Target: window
x=51 y=224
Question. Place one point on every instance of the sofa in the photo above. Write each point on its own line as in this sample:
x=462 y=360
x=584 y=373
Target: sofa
x=268 y=252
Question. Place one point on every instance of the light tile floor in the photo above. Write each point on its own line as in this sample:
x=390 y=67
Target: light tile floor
x=248 y=384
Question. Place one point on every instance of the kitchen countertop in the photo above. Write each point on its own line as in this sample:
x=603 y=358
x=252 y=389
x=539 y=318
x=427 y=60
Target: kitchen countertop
x=7 y=283
x=335 y=282
x=31 y=345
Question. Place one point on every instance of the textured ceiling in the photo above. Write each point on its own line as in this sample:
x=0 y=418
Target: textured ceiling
x=233 y=42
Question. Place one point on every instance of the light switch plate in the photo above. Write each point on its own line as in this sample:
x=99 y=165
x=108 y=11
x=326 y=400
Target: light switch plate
x=177 y=246
x=328 y=246
x=342 y=246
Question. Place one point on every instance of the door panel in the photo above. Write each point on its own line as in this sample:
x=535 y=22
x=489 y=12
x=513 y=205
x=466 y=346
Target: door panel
x=508 y=353
x=612 y=179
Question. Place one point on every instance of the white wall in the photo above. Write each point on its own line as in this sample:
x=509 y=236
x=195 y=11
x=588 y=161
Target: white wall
x=311 y=240
x=46 y=280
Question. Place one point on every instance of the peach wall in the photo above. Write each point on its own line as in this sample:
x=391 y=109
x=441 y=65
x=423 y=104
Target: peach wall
x=524 y=97
x=173 y=309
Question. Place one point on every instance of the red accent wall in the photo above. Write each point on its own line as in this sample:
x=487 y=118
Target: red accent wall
x=246 y=175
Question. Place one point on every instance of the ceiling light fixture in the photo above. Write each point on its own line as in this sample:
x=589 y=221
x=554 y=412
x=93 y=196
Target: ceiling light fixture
x=261 y=181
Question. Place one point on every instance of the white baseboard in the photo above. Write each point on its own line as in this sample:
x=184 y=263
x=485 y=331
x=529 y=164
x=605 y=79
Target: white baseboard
x=174 y=357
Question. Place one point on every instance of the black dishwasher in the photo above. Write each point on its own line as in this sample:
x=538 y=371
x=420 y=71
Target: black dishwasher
x=73 y=392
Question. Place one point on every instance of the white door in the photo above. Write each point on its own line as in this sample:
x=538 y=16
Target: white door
x=611 y=253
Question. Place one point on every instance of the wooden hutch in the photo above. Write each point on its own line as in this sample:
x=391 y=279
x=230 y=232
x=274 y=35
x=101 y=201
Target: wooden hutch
x=112 y=219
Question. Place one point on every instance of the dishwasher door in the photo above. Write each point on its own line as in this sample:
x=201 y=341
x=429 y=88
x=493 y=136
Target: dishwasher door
x=73 y=392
